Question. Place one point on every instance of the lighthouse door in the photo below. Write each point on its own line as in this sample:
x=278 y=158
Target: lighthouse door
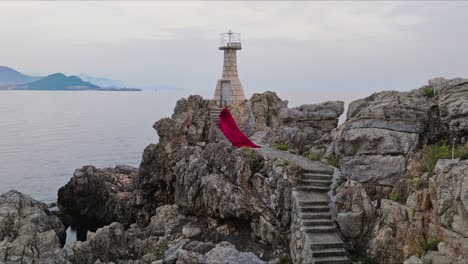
x=225 y=92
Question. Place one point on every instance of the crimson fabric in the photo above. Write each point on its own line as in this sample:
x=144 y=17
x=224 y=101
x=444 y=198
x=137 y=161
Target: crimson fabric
x=232 y=132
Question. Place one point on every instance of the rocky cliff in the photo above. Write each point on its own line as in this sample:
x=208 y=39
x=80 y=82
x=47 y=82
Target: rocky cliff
x=394 y=201
x=195 y=199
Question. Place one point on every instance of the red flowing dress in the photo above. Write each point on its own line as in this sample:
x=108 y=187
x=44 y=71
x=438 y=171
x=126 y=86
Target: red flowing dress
x=232 y=132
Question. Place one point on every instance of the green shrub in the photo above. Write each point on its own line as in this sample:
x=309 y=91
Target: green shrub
x=284 y=260
x=432 y=153
x=464 y=156
x=314 y=156
x=417 y=184
x=256 y=161
x=333 y=161
x=361 y=258
x=280 y=146
x=429 y=91
x=396 y=197
x=426 y=244
x=158 y=253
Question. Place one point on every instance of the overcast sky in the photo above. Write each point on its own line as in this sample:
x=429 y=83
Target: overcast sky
x=305 y=51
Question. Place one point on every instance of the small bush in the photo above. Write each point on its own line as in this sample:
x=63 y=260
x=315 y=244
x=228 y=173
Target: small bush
x=432 y=153
x=314 y=156
x=464 y=156
x=256 y=161
x=333 y=161
x=417 y=184
x=284 y=260
x=396 y=197
x=280 y=146
x=158 y=253
x=426 y=244
x=429 y=91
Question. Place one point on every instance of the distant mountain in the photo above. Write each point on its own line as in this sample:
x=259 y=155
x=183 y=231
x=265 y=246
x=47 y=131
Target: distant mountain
x=102 y=82
x=13 y=77
x=58 y=81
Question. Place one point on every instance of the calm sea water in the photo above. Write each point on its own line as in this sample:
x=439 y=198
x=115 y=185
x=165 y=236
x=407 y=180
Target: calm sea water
x=46 y=135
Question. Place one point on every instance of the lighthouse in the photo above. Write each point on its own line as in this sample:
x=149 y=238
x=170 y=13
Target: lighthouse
x=229 y=88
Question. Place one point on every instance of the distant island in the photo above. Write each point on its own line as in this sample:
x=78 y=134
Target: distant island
x=11 y=79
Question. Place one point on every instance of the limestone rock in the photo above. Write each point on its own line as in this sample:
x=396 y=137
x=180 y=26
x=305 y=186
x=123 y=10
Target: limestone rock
x=376 y=169
x=413 y=260
x=453 y=105
x=226 y=253
x=29 y=232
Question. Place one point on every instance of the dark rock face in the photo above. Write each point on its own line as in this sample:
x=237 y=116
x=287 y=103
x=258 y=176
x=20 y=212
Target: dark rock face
x=102 y=195
x=28 y=230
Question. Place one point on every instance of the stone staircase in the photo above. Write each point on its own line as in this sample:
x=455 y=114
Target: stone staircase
x=214 y=114
x=316 y=220
x=315 y=238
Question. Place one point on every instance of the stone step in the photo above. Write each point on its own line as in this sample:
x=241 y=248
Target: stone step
x=313 y=203
x=324 y=245
x=314 y=182
x=329 y=252
x=320 y=229
x=314 y=209
x=331 y=260
x=309 y=215
x=316 y=176
x=318 y=222
x=318 y=171
x=313 y=189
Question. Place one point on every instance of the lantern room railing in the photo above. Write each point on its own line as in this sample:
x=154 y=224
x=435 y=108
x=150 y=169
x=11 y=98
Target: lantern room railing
x=230 y=40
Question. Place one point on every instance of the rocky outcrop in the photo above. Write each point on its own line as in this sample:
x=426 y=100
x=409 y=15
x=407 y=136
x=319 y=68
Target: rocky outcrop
x=452 y=98
x=204 y=177
x=303 y=129
x=379 y=131
x=390 y=231
x=386 y=205
x=102 y=195
x=29 y=232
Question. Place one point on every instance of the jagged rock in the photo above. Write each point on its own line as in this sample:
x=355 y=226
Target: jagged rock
x=102 y=195
x=413 y=260
x=376 y=169
x=302 y=128
x=435 y=213
x=379 y=131
x=215 y=180
x=29 y=232
x=453 y=105
x=449 y=194
x=226 y=253
x=354 y=210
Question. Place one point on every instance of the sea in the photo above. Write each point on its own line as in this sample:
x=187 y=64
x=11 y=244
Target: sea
x=46 y=135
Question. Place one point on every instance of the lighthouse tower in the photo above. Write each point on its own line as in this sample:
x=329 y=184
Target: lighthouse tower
x=229 y=88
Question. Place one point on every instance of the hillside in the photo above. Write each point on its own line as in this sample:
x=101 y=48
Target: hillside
x=102 y=82
x=11 y=76
x=59 y=81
